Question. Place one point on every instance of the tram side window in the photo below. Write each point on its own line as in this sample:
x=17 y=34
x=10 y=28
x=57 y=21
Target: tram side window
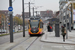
x=28 y=24
x=41 y=25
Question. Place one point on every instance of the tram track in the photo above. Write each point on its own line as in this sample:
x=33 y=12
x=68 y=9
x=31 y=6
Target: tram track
x=19 y=43
x=31 y=43
x=28 y=46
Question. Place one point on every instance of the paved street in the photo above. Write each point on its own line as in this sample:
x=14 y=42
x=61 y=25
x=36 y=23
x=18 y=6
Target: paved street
x=32 y=43
x=6 y=38
x=53 y=20
x=38 y=45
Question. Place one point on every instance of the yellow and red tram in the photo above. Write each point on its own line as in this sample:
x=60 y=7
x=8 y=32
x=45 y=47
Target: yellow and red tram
x=35 y=26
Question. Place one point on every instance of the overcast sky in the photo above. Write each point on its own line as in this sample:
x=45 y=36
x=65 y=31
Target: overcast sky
x=17 y=5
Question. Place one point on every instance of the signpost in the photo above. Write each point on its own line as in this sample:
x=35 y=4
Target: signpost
x=10 y=10
x=11 y=20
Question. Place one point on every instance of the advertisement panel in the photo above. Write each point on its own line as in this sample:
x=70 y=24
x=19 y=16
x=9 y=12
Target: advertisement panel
x=73 y=5
x=74 y=26
x=0 y=19
x=73 y=14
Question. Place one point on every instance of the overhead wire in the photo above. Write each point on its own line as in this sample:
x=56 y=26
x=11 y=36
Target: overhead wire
x=13 y=1
x=33 y=0
x=29 y=0
x=26 y=7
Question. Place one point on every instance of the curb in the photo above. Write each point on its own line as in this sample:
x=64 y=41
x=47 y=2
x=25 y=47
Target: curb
x=57 y=42
x=44 y=40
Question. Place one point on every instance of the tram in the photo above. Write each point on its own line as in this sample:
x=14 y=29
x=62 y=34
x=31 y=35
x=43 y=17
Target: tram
x=35 y=26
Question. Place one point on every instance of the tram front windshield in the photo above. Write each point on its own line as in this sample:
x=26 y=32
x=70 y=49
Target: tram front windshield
x=34 y=23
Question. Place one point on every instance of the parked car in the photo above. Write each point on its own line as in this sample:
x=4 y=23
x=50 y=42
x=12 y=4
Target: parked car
x=2 y=31
x=26 y=27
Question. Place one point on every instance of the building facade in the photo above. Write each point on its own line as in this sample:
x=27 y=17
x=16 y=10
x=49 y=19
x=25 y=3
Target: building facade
x=48 y=13
x=4 y=18
x=18 y=15
x=26 y=14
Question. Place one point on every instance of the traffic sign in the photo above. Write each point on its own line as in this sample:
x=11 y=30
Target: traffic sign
x=8 y=24
x=10 y=12
x=10 y=8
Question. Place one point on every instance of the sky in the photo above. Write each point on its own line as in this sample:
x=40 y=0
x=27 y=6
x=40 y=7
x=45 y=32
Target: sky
x=42 y=5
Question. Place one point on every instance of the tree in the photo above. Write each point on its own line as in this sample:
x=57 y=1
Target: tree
x=17 y=20
x=26 y=22
x=0 y=20
x=3 y=21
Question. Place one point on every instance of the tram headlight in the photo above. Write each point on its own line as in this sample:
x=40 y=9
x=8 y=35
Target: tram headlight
x=29 y=33
x=40 y=32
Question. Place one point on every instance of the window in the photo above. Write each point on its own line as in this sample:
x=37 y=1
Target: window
x=34 y=23
x=41 y=25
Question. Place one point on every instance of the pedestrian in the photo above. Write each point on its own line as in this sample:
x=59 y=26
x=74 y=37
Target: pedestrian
x=49 y=28
x=63 y=33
